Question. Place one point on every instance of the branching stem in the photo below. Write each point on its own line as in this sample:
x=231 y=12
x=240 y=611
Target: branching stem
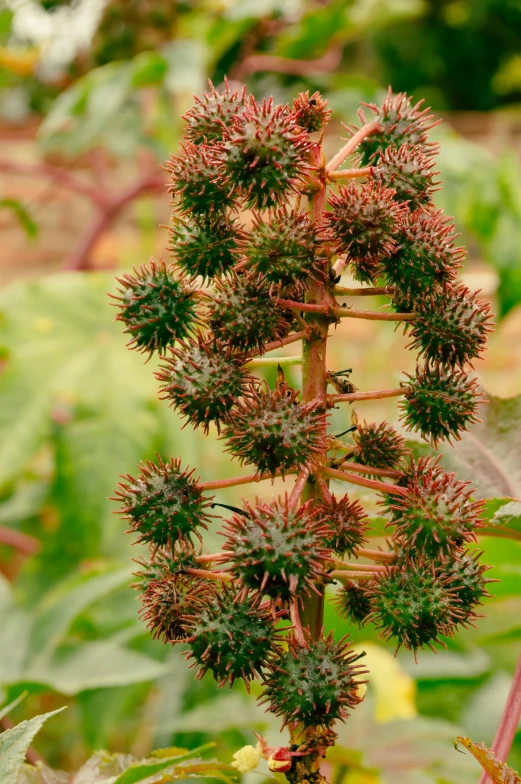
x=353 y=479
x=349 y=148
x=218 y=484
x=273 y=361
x=335 y=313
x=363 y=291
x=351 y=397
x=349 y=174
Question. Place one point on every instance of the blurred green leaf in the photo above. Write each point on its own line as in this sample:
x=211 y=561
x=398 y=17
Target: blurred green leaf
x=138 y=771
x=14 y=744
x=23 y=216
x=489 y=455
x=148 y=68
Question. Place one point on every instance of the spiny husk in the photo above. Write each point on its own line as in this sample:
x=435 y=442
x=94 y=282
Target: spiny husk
x=271 y=430
x=164 y=504
x=157 y=307
x=277 y=550
x=364 y=223
x=314 y=685
x=213 y=114
x=440 y=403
x=204 y=380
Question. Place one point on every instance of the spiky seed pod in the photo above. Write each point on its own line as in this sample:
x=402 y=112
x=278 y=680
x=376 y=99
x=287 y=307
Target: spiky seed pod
x=311 y=113
x=165 y=565
x=314 y=685
x=379 y=445
x=283 y=248
x=263 y=154
x=354 y=603
x=426 y=258
x=468 y=579
x=194 y=183
x=437 y=516
x=409 y=172
x=168 y=604
x=400 y=123
x=440 y=403
x=415 y=603
x=451 y=327
x=364 y=222
x=213 y=114
x=272 y=431
x=243 y=314
x=164 y=504
x=205 y=246
x=277 y=550
x=346 y=522
x=232 y=638
x=203 y=380
x=156 y=306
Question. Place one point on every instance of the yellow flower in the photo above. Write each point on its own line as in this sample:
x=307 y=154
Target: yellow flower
x=394 y=691
x=247 y=758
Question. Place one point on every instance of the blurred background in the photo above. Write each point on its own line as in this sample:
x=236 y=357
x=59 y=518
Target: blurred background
x=91 y=94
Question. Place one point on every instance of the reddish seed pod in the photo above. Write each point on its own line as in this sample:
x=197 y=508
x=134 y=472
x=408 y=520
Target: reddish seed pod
x=280 y=760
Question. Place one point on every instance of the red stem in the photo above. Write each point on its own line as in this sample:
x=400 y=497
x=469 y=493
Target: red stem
x=358 y=468
x=509 y=721
x=349 y=174
x=279 y=343
x=23 y=542
x=352 y=144
x=337 y=312
x=376 y=395
x=80 y=258
x=298 y=488
x=375 y=555
x=96 y=195
x=363 y=291
x=373 y=484
x=218 y=484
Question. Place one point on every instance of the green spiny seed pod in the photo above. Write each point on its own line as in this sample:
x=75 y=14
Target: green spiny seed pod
x=440 y=403
x=353 y=602
x=277 y=550
x=156 y=306
x=206 y=245
x=232 y=637
x=468 y=579
x=363 y=223
x=409 y=172
x=398 y=123
x=314 y=685
x=379 y=445
x=168 y=603
x=311 y=113
x=264 y=154
x=194 y=184
x=213 y=114
x=273 y=432
x=283 y=248
x=451 y=327
x=346 y=521
x=164 y=504
x=244 y=316
x=165 y=565
x=203 y=380
x=437 y=516
x=426 y=258
x=415 y=603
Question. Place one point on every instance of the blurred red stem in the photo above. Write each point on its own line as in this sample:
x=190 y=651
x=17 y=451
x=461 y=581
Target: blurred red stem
x=509 y=721
x=80 y=258
x=255 y=63
x=22 y=542
x=96 y=195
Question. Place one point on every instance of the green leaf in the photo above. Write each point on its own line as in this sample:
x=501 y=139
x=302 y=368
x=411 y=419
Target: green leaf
x=138 y=771
x=14 y=744
x=489 y=455
x=148 y=68
x=59 y=608
x=95 y=665
x=8 y=708
x=23 y=215
x=503 y=518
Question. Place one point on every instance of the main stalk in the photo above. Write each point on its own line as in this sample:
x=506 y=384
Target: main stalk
x=314 y=370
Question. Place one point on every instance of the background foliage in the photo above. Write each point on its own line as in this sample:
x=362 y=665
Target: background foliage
x=77 y=409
